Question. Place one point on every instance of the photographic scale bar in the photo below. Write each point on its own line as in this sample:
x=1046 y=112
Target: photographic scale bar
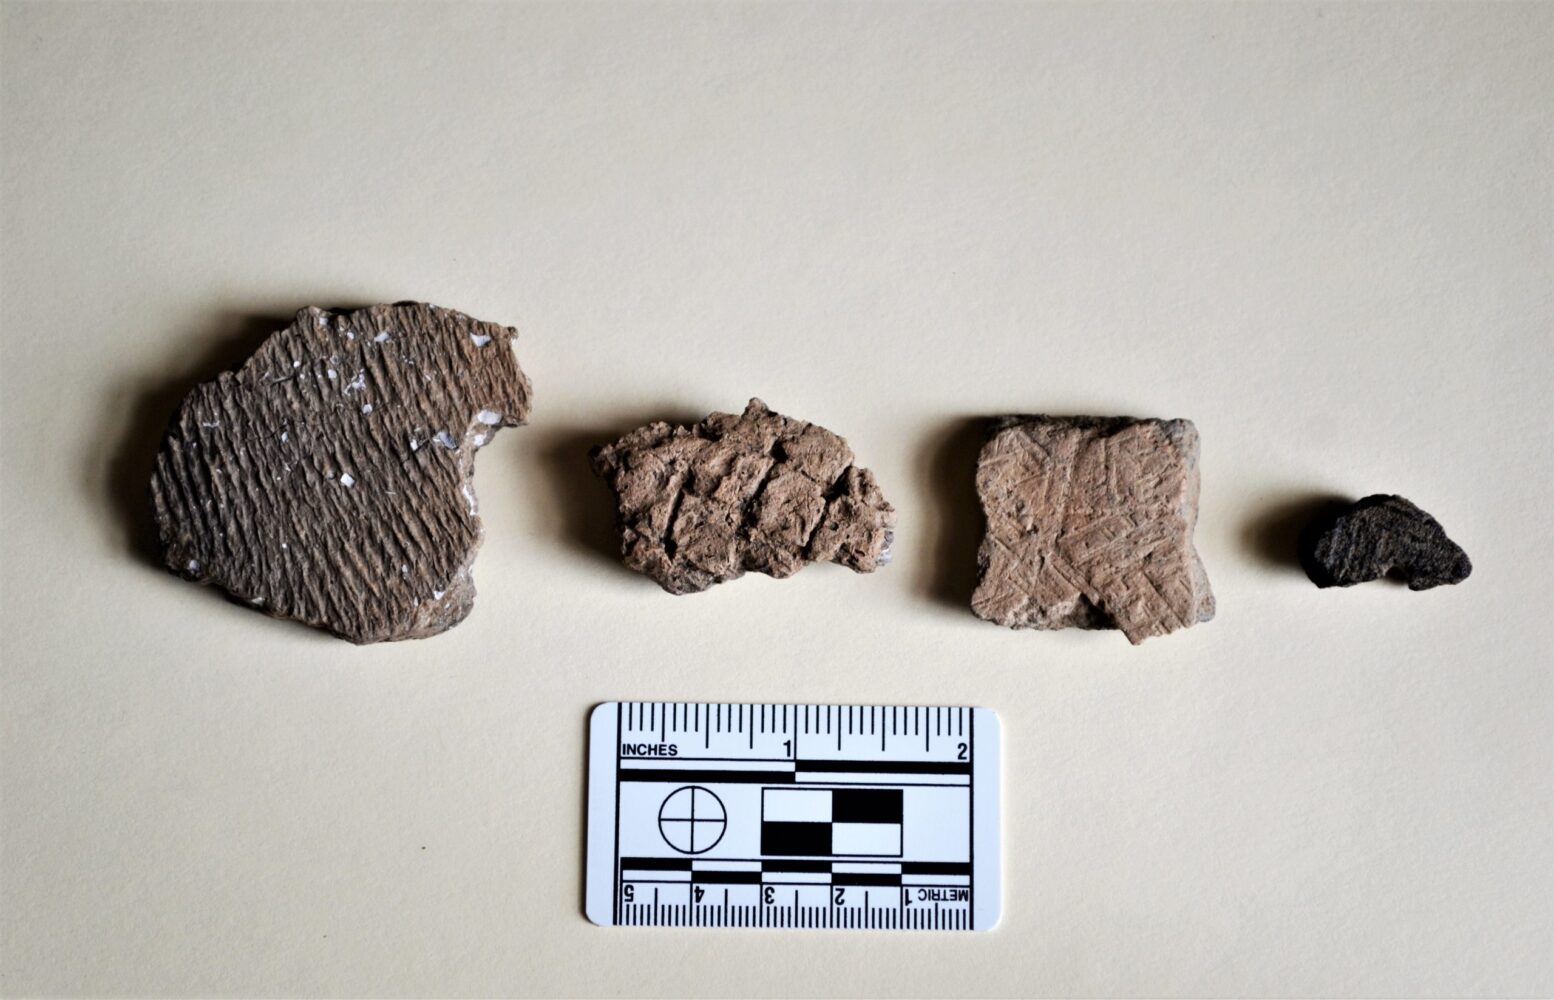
x=793 y=816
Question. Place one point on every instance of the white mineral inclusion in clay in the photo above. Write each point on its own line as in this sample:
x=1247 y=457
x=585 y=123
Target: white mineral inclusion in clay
x=385 y=525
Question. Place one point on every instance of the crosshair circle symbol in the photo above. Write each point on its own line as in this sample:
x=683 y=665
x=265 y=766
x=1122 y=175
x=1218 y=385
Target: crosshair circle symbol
x=692 y=820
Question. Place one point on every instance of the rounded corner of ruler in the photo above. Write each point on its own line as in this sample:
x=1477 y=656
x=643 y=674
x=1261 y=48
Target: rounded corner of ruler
x=872 y=817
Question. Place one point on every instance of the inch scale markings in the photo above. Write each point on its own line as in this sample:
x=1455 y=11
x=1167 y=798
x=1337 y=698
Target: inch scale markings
x=804 y=816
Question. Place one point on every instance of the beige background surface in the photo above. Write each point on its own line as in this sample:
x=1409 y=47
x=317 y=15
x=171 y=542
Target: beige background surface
x=1323 y=232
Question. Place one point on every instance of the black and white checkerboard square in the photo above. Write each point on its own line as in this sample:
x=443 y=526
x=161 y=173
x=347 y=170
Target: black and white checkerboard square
x=831 y=822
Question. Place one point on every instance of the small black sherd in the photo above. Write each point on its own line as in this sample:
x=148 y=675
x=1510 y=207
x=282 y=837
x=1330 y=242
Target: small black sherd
x=1379 y=536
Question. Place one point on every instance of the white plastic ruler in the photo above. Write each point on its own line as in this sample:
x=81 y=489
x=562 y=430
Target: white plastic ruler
x=861 y=816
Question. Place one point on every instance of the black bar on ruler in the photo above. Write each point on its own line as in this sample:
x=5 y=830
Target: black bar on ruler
x=935 y=868
x=657 y=864
x=691 y=777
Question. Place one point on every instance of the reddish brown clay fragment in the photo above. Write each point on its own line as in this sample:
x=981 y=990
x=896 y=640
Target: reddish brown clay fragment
x=1089 y=525
x=758 y=491
x=329 y=479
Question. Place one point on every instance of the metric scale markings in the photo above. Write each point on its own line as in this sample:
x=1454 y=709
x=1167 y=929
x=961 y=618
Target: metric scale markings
x=823 y=816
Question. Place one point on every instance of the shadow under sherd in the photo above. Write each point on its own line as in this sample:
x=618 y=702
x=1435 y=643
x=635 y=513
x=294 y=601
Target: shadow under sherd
x=152 y=402
x=584 y=502
x=948 y=574
x=1273 y=535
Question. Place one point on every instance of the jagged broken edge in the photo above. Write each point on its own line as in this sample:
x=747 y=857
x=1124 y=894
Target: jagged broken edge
x=462 y=585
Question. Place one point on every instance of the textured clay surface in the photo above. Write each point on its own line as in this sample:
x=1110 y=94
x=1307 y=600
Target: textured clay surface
x=759 y=491
x=1089 y=525
x=1381 y=536
x=328 y=479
